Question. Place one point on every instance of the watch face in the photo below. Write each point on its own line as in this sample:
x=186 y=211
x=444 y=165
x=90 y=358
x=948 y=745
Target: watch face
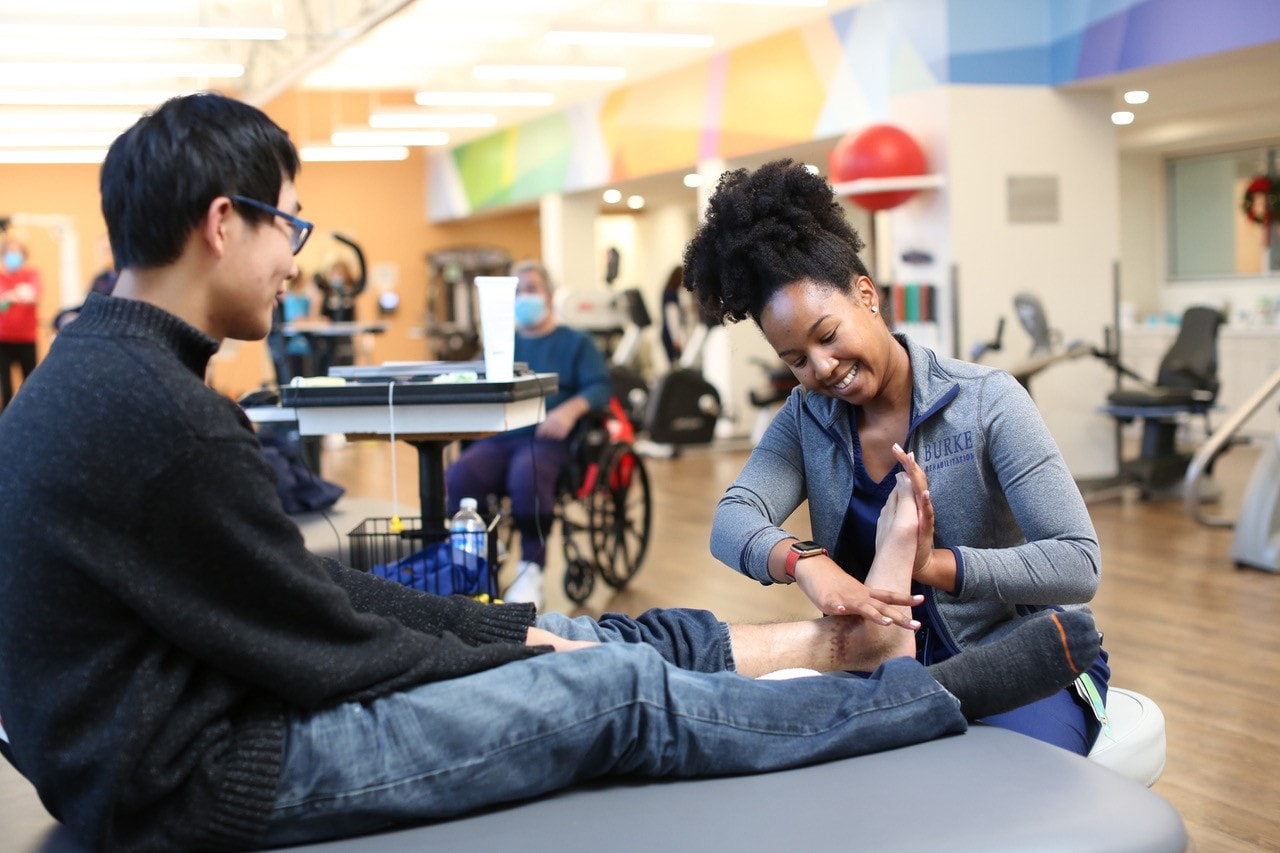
x=807 y=548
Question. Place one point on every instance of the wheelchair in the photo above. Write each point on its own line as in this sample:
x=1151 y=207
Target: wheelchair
x=604 y=508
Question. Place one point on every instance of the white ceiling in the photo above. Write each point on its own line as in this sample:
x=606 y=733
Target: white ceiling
x=389 y=49
x=436 y=44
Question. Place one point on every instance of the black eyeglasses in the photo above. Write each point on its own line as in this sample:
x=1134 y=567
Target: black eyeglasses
x=301 y=228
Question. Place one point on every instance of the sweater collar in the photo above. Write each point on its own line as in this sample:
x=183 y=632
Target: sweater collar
x=110 y=315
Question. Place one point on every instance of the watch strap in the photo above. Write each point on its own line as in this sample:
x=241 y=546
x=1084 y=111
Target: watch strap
x=794 y=557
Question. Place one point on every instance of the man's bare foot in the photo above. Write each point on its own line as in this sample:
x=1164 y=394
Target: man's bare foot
x=895 y=541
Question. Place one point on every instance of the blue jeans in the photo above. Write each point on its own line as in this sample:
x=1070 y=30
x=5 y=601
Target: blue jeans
x=658 y=698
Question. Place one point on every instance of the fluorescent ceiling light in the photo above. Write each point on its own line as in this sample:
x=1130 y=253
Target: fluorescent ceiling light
x=484 y=99
x=36 y=73
x=71 y=120
x=549 y=72
x=112 y=32
x=334 y=154
x=1137 y=96
x=412 y=138
x=401 y=120
x=58 y=156
x=57 y=138
x=612 y=196
x=629 y=39
x=105 y=98
x=1122 y=117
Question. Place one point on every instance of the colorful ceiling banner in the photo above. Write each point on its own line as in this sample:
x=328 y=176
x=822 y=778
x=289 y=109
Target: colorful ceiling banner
x=823 y=79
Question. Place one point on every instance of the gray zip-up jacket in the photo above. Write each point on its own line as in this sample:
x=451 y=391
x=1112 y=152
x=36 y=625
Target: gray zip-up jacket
x=1004 y=500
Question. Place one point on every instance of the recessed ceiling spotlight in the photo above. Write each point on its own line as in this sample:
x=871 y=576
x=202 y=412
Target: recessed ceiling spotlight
x=1122 y=117
x=635 y=202
x=1137 y=96
x=612 y=196
x=693 y=180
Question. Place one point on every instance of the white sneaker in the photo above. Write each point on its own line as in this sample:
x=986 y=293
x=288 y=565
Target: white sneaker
x=527 y=586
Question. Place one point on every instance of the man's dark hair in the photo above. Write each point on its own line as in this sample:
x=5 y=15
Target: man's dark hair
x=766 y=229
x=160 y=176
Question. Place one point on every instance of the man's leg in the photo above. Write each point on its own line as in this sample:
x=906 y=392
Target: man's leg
x=539 y=725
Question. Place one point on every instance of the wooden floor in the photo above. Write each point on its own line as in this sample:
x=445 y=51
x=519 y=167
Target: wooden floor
x=1182 y=625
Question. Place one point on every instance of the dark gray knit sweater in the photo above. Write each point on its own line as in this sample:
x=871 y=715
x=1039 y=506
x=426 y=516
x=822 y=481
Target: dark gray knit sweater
x=159 y=614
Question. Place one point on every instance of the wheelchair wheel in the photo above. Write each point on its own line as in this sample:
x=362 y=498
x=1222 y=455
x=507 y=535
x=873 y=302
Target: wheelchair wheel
x=622 y=513
x=577 y=525
x=579 y=580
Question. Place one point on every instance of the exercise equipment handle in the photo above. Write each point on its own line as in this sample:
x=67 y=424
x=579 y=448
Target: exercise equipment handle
x=1214 y=445
x=363 y=276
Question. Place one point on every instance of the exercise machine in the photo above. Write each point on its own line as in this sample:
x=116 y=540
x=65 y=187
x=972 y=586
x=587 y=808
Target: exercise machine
x=1186 y=384
x=1256 y=543
x=681 y=407
x=779 y=383
x=1046 y=348
x=452 y=309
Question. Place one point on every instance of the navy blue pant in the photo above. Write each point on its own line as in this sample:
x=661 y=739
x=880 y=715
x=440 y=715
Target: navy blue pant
x=521 y=466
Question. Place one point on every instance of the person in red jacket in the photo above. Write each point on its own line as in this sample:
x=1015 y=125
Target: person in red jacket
x=19 y=293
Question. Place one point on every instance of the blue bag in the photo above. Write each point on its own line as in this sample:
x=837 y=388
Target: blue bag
x=432 y=570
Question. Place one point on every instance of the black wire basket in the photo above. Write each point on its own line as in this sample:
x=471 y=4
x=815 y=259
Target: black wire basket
x=415 y=559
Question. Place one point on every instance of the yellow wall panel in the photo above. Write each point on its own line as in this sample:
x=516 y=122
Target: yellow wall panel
x=773 y=95
x=655 y=126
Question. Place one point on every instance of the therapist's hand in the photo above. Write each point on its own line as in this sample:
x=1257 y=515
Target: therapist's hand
x=836 y=593
x=924 y=510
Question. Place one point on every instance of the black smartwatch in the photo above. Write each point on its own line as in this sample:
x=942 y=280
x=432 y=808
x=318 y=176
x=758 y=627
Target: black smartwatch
x=800 y=550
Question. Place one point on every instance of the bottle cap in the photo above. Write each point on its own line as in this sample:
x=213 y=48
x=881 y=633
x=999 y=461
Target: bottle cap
x=467 y=503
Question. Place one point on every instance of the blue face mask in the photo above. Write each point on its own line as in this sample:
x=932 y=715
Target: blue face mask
x=13 y=260
x=530 y=310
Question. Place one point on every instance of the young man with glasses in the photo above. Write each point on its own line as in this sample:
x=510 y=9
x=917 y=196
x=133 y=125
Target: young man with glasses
x=177 y=672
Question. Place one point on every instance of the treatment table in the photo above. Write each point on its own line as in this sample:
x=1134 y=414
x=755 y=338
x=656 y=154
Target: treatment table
x=986 y=790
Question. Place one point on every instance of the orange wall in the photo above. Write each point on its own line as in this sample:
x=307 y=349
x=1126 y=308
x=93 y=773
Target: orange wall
x=58 y=190
x=382 y=206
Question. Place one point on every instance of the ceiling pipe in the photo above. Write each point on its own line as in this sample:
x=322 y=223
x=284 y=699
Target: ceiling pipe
x=264 y=84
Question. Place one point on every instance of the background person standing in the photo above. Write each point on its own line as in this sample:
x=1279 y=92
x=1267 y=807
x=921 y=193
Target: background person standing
x=19 y=293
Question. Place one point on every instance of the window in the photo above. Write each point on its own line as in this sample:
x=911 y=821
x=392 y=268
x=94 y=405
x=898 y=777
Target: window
x=1210 y=233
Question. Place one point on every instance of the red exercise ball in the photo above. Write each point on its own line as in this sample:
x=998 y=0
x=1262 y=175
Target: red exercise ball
x=879 y=151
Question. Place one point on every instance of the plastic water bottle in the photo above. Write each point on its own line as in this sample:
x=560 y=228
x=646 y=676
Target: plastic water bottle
x=468 y=540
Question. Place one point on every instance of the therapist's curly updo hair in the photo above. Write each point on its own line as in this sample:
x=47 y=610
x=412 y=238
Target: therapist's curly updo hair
x=766 y=229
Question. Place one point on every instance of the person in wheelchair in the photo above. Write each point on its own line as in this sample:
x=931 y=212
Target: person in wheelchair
x=525 y=463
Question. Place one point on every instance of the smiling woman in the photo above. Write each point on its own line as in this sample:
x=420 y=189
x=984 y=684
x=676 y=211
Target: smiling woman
x=1003 y=532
